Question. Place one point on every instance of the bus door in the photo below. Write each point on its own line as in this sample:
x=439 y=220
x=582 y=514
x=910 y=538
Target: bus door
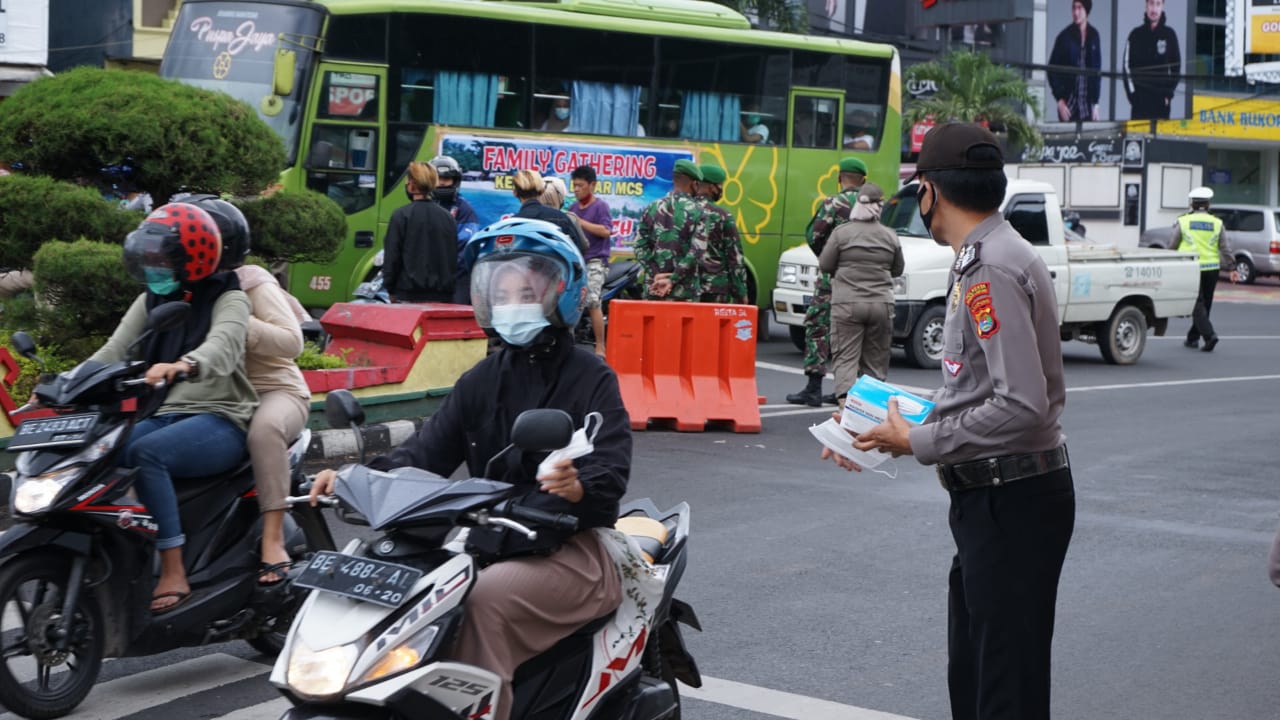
x=343 y=160
x=813 y=156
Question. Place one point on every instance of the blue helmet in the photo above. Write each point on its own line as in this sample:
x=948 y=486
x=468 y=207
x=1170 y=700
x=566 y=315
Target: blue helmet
x=531 y=245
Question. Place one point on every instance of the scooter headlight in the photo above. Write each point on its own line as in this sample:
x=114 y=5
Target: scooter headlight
x=35 y=494
x=404 y=656
x=320 y=673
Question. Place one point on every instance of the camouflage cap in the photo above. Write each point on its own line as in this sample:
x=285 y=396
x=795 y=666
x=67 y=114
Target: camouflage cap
x=853 y=165
x=686 y=167
x=712 y=173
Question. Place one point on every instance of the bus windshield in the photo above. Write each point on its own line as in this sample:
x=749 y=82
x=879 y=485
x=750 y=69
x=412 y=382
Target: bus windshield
x=231 y=47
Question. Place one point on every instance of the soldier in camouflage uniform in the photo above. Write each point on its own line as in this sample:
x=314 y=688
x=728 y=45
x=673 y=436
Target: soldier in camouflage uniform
x=724 y=273
x=833 y=212
x=665 y=241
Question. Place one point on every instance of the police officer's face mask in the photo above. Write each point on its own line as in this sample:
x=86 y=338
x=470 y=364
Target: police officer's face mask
x=927 y=217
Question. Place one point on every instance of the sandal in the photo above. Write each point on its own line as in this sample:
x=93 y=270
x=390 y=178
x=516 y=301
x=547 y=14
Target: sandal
x=182 y=598
x=280 y=570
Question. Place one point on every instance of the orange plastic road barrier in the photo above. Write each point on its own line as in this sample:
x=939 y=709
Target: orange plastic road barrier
x=685 y=363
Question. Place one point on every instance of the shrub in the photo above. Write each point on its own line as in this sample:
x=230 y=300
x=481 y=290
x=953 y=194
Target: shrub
x=173 y=135
x=55 y=361
x=84 y=291
x=295 y=227
x=38 y=209
x=313 y=358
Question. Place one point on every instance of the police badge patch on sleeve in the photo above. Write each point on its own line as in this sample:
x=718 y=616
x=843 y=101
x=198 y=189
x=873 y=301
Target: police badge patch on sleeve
x=978 y=299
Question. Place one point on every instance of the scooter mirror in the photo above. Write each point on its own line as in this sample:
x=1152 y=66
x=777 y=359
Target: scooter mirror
x=342 y=410
x=23 y=343
x=542 y=430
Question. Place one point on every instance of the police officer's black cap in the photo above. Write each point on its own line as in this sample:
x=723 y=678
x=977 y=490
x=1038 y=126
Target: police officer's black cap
x=950 y=145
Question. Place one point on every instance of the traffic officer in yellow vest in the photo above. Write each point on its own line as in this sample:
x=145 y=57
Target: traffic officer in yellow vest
x=1201 y=233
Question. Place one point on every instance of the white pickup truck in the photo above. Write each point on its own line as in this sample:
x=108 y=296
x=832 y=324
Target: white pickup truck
x=1106 y=296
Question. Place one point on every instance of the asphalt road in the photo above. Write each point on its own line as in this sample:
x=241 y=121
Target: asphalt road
x=823 y=593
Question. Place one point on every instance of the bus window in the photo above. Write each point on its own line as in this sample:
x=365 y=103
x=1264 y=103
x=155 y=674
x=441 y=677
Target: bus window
x=816 y=120
x=357 y=37
x=591 y=81
x=864 y=82
x=438 y=77
x=721 y=92
x=341 y=164
x=349 y=96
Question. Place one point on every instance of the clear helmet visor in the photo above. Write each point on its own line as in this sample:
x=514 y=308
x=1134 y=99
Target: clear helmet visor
x=515 y=279
x=148 y=253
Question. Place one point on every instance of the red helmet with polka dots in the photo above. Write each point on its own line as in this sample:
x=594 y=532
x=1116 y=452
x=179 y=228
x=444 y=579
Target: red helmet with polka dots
x=178 y=242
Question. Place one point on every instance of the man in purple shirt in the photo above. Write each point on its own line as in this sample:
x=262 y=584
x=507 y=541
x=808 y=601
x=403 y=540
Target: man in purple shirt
x=597 y=225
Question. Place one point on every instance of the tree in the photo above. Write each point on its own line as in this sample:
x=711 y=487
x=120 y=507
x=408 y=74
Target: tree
x=785 y=15
x=173 y=136
x=973 y=89
x=38 y=209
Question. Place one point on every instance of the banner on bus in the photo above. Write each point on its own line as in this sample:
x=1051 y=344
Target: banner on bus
x=628 y=178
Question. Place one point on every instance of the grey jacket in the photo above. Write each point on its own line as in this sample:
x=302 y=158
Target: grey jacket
x=1003 y=389
x=862 y=258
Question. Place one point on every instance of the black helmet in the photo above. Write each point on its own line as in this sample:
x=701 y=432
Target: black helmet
x=231 y=224
x=447 y=167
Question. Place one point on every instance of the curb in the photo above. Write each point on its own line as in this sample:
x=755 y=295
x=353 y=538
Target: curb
x=378 y=438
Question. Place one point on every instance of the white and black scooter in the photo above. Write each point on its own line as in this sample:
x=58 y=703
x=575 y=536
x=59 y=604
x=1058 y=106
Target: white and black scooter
x=369 y=642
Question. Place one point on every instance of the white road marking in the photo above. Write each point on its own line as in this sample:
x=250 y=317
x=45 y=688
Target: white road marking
x=825 y=409
x=778 y=703
x=1168 y=383
x=261 y=711
x=137 y=692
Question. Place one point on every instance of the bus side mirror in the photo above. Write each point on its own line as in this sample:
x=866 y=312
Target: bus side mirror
x=282 y=74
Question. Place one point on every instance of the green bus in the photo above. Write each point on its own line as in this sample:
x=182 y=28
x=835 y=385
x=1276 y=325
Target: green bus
x=359 y=88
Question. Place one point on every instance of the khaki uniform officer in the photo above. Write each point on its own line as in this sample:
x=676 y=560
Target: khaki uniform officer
x=994 y=435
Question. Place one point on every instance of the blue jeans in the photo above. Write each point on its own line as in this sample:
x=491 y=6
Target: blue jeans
x=190 y=445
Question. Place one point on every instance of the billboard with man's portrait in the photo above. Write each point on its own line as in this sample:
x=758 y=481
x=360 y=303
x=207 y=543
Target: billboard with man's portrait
x=1116 y=60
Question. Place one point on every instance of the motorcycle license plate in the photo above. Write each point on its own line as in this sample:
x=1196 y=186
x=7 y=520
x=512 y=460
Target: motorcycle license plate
x=58 y=431
x=372 y=581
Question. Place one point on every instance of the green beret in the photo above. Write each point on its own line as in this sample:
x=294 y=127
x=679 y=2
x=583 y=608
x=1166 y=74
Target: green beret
x=853 y=165
x=712 y=174
x=686 y=167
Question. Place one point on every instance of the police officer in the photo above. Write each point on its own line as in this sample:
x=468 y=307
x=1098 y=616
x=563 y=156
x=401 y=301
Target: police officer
x=664 y=242
x=833 y=212
x=719 y=249
x=1201 y=233
x=994 y=434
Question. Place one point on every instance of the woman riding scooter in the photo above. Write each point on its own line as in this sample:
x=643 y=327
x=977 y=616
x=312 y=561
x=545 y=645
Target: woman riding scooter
x=528 y=284
x=199 y=428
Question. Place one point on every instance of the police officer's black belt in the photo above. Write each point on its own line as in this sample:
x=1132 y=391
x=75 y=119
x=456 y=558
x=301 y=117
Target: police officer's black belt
x=997 y=471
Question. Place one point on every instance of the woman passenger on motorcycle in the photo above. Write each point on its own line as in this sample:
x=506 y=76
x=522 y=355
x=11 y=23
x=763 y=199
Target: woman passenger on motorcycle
x=527 y=286
x=274 y=340
x=199 y=428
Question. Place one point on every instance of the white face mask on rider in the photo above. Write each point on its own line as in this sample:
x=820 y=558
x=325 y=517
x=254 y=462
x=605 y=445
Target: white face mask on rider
x=519 y=324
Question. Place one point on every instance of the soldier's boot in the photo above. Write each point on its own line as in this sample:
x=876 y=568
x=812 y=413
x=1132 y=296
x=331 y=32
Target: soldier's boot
x=830 y=399
x=811 y=395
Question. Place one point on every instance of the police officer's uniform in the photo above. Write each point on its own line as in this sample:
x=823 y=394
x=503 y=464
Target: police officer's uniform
x=999 y=448
x=1201 y=233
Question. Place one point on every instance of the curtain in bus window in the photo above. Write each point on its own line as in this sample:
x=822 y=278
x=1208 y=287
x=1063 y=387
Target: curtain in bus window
x=465 y=98
x=604 y=108
x=710 y=116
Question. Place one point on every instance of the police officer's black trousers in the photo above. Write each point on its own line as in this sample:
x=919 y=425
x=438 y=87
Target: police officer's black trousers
x=1010 y=544
x=1200 y=325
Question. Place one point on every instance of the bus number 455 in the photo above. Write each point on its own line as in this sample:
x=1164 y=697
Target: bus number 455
x=321 y=282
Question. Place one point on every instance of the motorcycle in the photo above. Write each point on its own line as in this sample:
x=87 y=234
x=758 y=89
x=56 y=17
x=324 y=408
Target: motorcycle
x=79 y=564
x=371 y=640
x=622 y=281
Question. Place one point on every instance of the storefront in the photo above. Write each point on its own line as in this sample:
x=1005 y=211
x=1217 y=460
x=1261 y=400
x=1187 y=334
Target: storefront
x=1243 y=164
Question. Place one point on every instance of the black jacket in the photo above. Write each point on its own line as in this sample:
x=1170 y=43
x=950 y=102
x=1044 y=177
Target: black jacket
x=1068 y=52
x=535 y=210
x=1152 y=67
x=474 y=424
x=421 y=253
